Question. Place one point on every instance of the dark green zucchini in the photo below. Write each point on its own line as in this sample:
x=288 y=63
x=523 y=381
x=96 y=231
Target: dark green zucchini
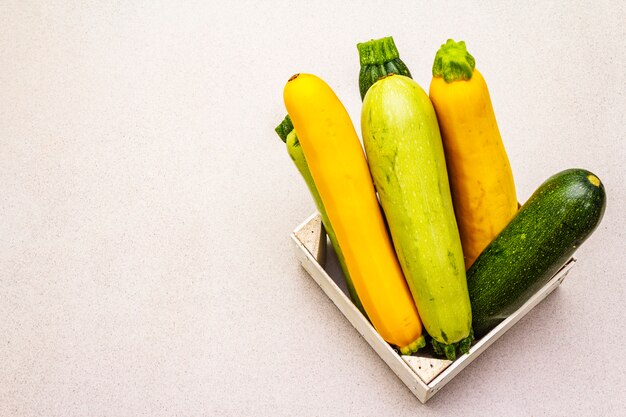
x=541 y=237
x=378 y=57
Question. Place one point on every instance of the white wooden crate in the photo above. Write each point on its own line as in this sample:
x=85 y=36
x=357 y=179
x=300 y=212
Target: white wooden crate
x=422 y=373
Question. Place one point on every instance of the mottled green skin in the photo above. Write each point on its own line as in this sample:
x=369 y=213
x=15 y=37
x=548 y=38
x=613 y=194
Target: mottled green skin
x=541 y=237
x=288 y=135
x=406 y=159
x=453 y=62
x=378 y=58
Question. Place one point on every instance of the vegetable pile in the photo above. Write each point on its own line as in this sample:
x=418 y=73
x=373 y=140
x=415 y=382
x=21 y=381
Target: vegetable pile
x=425 y=223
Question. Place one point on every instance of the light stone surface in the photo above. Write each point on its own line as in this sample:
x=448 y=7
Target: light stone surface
x=146 y=204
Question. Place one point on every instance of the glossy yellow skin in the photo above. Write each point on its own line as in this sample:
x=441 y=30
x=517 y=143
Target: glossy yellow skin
x=340 y=171
x=481 y=181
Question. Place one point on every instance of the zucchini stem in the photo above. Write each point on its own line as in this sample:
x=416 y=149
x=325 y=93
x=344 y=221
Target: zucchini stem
x=414 y=347
x=378 y=57
x=284 y=128
x=377 y=51
x=449 y=350
x=453 y=62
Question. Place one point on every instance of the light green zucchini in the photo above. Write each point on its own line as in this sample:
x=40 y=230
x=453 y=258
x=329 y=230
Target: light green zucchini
x=406 y=159
x=288 y=134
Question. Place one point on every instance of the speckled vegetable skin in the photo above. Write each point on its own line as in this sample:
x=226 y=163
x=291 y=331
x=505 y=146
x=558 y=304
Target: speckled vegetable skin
x=406 y=159
x=288 y=135
x=378 y=58
x=542 y=236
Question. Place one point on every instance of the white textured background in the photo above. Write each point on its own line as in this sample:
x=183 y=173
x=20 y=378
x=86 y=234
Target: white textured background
x=146 y=203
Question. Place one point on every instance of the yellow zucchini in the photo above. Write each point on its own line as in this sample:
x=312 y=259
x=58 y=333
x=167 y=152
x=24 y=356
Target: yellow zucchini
x=340 y=171
x=481 y=180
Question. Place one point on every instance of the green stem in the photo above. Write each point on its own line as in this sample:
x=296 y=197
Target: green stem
x=377 y=51
x=414 y=347
x=378 y=58
x=453 y=62
x=449 y=350
x=284 y=128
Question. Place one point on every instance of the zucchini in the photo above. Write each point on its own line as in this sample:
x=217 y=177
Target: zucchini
x=288 y=135
x=378 y=58
x=406 y=159
x=542 y=236
x=338 y=166
x=481 y=180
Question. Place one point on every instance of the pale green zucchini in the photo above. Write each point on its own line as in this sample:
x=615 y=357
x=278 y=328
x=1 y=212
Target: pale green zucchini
x=287 y=133
x=406 y=159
